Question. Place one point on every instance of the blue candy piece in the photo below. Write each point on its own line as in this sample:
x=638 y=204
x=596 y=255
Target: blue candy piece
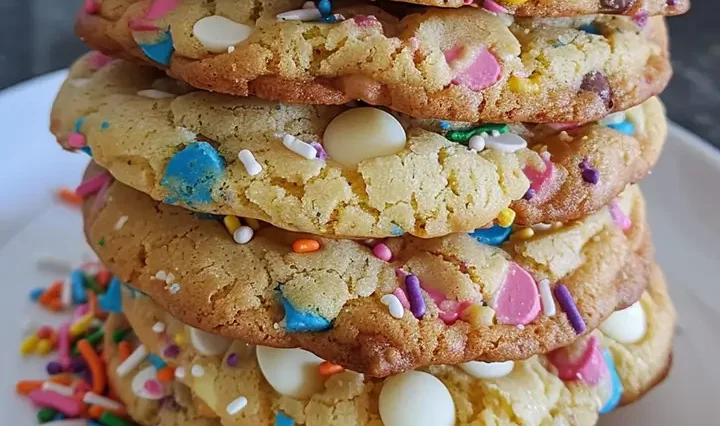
x=36 y=293
x=590 y=29
x=157 y=362
x=281 y=419
x=78 y=123
x=625 y=127
x=491 y=236
x=302 y=322
x=162 y=51
x=77 y=282
x=191 y=174
x=617 y=388
x=325 y=7
x=111 y=301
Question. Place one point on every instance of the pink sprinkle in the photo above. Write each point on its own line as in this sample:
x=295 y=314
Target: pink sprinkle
x=153 y=386
x=400 y=273
x=590 y=368
x=91 y=7
x=99 y=201
x=92 y=185
x=66 y=405
x=160 y=8
x=482 y=72
x=493 y=7
x=619 y=217
x=382 y=252
x=81 y=310
x=537 y=178
x=97 y=60
x=402 y=297
x=76 y=140
x=64 y=345
x=142 y=25
x=517 y=301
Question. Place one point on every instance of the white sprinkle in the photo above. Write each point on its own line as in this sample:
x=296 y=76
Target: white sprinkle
x=521 y=327
x=120 y=223
x=66 y=294
x=249 y=161
x=132 y=361
x=161 y=275
x=243 y=235
x=540 y=227
x=197 y=371
x=95 y=399
x=300 y=15
x=299 y=147
x=174 y=288
x=155 y=94
x=72 y=422
x=477 y=143
x=80 y=82
x=55 y=264
x=231 y=49
x=614 y=118
x=180 y=372
x=548 y=303
x=236 y=405
x=58 y=388
x=394 y=305
x=169 y=278
x=506 y=142
x=158 y=327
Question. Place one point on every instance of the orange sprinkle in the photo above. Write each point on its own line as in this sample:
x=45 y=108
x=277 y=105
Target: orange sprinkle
x=95 y=411
x=55 y=305
x=103 y=278
x=124 y=350
x=305 y=246
x=62 y=379
x=24 y=387
x=97 y=368
x=52 y=293
x=327 y=368
x=69 y=196
x=167 y=374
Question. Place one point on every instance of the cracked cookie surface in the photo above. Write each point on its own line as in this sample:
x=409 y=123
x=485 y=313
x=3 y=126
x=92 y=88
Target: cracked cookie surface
x=333 y=300
x=431 y=187
x=454 y=64
x=537 y=8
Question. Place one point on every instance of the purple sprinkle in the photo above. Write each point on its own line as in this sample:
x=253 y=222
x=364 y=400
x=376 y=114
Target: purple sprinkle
x=232 y=360
x=171 y=351
x=321 y=154
x=417 y=303
x=77 y=365
x=589 y=174
x=54 y=367
x=530 y=194
x=564 y=298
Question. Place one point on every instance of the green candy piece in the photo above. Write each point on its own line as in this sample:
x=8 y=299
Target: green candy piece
x=120 y=335
x=46 y=414
x=463 y=136
x=109 y=419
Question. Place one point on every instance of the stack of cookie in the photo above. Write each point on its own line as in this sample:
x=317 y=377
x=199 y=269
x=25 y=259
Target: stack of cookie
x=376 y=213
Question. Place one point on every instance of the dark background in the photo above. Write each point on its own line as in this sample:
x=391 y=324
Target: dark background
x=36 y=37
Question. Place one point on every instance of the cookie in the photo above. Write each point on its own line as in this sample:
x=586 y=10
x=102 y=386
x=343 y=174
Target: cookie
x=428 y=182
x=380 y=306
x=158 y=405
x=453 y=64
x=291 y=383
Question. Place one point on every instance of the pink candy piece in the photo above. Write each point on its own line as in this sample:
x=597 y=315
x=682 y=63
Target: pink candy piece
x=493 y=7
x=590 y=368
x=402 y=297
x=92 y=185
x=537 y=178
x=160 y=8
x=154 y=387
x=76 y=140
x=66 y=405
x=619 y=217
x=483 y=70
x=64 y=345
x=382 y=252
x=517 y=301
x=91 y=7
x=97 y=60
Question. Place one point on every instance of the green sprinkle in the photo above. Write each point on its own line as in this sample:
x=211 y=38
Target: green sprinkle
x=93 y=338
x=90 y=283
x=463 y=136
x=109 y=419
x=101 y=243
x=46 y=414
x=120 y=335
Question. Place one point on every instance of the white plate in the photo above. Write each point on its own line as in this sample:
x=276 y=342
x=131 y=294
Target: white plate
x=682 y=198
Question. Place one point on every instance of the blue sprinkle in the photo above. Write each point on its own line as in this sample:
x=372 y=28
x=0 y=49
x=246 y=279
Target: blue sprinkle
x=104 y=125
x=590 y=29
x=325 y=7
x=396 y=231
x=156 y=361
x=191 y=174
x=59 y=416
x=444 y=125
x=77 y=281
x=87 y=150
x=162 y=51
x=281 y=419
x=36 y=293
x=617 y=388
x=491 y=236
x=78 y=124
x=94 y=423
x=133 y=292
x=111 y=301
x=625 y=127
x=302 y=322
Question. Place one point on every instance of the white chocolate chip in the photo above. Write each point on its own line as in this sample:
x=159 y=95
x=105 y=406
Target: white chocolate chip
x=362 y=133
x=155 y=94
x=291 y=372
x=299 y=147
x=208 y=343
x=138 y=384
x=180 y=372
x=197 y=371
x=243 y=235
x=488 y=370
x=236 y=405
x=394 y=305
x=626 y=326
x=506 y=142
x=477 y=143
x=416 y=398
x=160 y=275
x=218 y=33
x=158 y=327
x=251 y=165
x=614 y=118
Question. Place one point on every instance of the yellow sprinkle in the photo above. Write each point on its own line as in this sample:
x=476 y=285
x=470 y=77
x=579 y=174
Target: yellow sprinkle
x=514 y=2
x=44 y=346
x=179 y=339
x=252 y=223
x=232 y=223
x=523 y=234
x=478 y=315
x=81 y=325
x=524 y=85
x=29 y=344
x=506 y=217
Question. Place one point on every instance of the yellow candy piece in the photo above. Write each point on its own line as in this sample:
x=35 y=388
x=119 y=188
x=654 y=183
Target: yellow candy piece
x=44 y=346
x=232 y=223
x=478 y=316
x=29 y=344
x=179 y=339
x=81 y=325
x=506 y=217
x=524 y=85
x=523 y=234
x=253 y=223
